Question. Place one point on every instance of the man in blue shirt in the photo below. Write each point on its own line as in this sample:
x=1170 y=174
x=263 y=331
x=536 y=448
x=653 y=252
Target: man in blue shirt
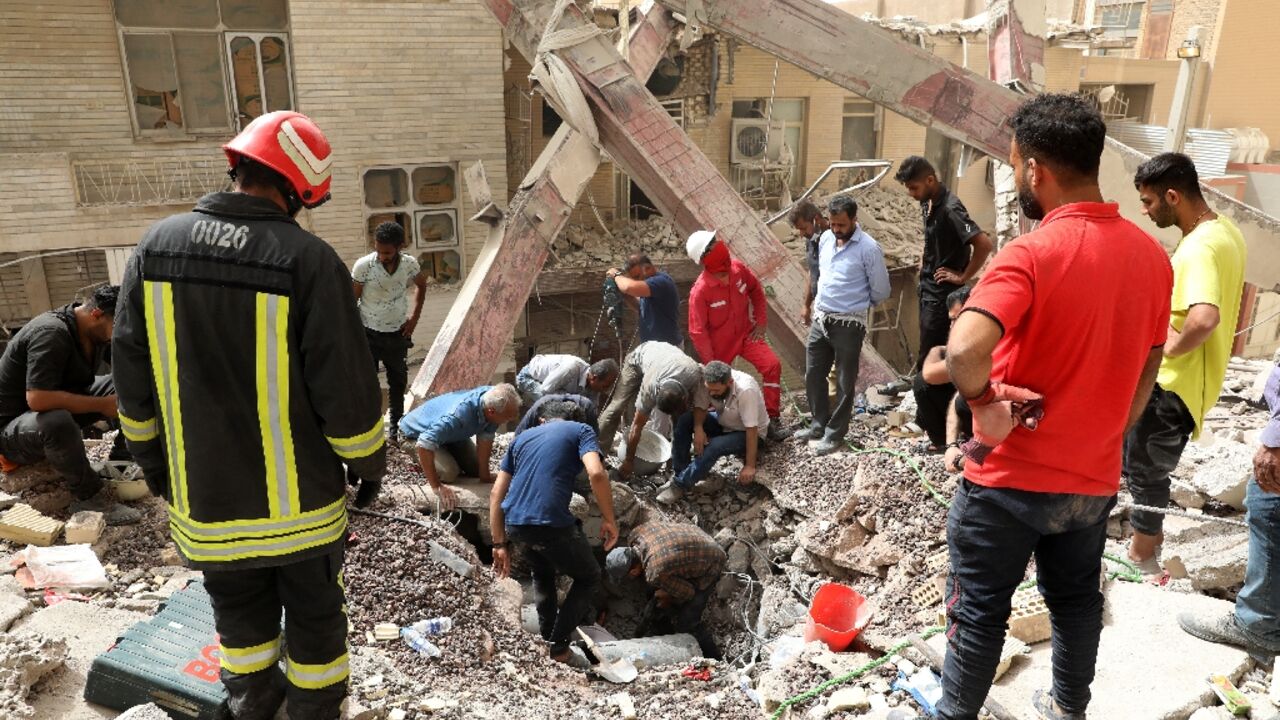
x=852 y=279
x=443 y=428
x=529 y=509
x=659 y=302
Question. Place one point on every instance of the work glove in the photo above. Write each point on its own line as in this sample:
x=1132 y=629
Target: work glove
x=996 y=412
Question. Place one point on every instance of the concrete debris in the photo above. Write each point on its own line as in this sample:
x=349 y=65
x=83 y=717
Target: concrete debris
x=24 y=660
x=7 y=501
x=85 y=527
x=1221 y=470
x=24 y=525
x=150 y=711
x=28 y=476
x=1013 y=648
x=625 y=705
x=13 y=602
x=848 y=698
x=1029 y=618
x=651 y=651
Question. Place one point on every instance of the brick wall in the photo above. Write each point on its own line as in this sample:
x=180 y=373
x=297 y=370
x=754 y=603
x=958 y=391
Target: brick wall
x=1242 y=93
x=379 y=100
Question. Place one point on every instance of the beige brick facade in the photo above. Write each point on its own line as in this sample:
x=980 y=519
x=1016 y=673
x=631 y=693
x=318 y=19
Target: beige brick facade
x=380 y=98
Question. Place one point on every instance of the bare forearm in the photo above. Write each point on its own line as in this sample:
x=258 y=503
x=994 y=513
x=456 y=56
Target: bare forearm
x=969 y=371
x=484 y=451
x=497 y=519
x=603 y=493
x=427 y=461
x=982 y=247
x=1195 y=332
x=419 y=298
x=953 y=424
x=46 y=400
x=1142 y=394
x=753 y=435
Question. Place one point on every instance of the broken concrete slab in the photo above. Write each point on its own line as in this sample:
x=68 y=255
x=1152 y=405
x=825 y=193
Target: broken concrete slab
x=13 y=602
x=150 y=711
x=651 y=651
x=1221 y=470
x=1140 y=631
x=85 y=527
x=24 y=660
x=88 y=630
x=1215 y=562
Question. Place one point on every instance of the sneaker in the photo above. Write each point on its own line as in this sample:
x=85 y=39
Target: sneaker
x=113 y=512
x=670 y=492
x=776 y=432
x=1223 y=628
x=1049 y=709
x=824 y=447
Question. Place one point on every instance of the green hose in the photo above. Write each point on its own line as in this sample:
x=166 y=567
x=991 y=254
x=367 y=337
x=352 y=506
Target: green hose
x=851 y=675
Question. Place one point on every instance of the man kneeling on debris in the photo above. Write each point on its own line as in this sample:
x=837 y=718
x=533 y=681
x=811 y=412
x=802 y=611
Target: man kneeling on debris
x=48 y=392
x=682 y=565
x=732 y=421
x=557 y=374
x=656 y=375
x=444 y=426
x=529 y=509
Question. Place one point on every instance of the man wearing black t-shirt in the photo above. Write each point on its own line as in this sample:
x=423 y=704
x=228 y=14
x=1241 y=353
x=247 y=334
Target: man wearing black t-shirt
x=49 y=391
x=954 y=248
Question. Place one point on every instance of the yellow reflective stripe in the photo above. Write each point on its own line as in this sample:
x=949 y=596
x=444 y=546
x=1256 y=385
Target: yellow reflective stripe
x=243 y=661
x=137 y=430
x=257 y=547
x=164 y=365
x=314 y=677
x=235 y=529
x=273 y=404
x=358 y=446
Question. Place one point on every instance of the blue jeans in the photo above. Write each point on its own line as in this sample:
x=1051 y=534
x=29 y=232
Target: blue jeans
x=720 y=442
x=1258 y=604
x=991 y=534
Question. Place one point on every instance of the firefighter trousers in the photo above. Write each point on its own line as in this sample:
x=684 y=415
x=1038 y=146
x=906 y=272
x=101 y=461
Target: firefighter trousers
x=247 y=605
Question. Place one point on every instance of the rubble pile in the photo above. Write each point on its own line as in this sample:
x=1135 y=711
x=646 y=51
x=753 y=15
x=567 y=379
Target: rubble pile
x=25 y=659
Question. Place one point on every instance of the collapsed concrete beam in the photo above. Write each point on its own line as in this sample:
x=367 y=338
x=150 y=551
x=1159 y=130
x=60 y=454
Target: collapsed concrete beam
x=642 y=138
x=838 y=47
x=466 y=350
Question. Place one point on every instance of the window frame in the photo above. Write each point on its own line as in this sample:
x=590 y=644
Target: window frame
x=414 y=209
x=257 y=37
x=877 y=122
x=224 y=32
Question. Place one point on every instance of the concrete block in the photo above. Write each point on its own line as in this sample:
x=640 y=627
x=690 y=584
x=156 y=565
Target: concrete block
x=85 y=527
x=625 y=706
x=23 y=525
x=938 y=562
x=930 y=593
x=848 y=698
x=1029 y=620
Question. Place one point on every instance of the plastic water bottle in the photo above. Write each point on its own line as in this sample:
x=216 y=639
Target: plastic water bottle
x=860 y=404
x=415 y=640
x=433 y=626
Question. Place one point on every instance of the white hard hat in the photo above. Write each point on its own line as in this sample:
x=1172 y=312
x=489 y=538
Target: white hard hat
x=698 y=243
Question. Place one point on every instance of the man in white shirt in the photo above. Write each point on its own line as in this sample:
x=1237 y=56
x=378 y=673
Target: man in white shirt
x=731 y=420
x=564 y=375
x=382 y=280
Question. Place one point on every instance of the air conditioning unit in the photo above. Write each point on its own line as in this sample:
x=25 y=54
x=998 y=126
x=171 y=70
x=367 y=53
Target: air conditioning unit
x=755 y=141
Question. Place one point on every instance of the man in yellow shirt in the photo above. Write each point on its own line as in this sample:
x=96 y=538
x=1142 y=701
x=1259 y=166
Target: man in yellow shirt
x=1208 y=276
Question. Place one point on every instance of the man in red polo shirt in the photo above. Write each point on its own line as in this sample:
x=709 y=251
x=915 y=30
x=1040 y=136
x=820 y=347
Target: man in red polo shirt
x=1062 y=335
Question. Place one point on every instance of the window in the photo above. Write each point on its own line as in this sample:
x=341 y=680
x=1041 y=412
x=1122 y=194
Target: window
x=204 y=66
x=1121 y=20
x=424 y=200
x=859 y=138
x=787 y=114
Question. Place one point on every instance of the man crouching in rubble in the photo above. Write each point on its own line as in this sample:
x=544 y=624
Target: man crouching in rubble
x=529 y=508
x=1048 y=492
x=681 y=564
x=443 y=428
x=48 y=392
x=731 y=420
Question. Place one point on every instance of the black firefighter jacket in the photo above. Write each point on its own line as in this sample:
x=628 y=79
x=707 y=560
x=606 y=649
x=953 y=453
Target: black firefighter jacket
x=244 y=382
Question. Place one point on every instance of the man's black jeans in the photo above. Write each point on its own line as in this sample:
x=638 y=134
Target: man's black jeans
x=392 y=350
x=932 y=402
x=56 y=436
x=682 y=618
x=552 y=551
x=1152 y=450
x=991 y=534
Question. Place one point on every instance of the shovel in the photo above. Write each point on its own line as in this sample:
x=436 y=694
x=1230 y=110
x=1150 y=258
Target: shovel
x=618 y=672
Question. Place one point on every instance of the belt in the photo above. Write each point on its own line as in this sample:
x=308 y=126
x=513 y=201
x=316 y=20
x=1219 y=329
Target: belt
x=858 y=318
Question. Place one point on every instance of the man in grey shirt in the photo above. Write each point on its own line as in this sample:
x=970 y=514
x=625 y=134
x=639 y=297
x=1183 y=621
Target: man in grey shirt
x=564 y=374
x=656 y=375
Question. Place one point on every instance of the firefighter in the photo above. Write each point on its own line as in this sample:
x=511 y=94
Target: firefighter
x=243 y=375
x=728 y=316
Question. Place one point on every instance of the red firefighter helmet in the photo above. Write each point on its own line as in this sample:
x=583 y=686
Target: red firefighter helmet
x=292 y=145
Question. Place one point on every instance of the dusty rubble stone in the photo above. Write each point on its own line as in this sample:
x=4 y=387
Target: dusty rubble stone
x=13 y=602
x=739 y=558
x=150 y=711
x=25 y=659
x=1221 y=470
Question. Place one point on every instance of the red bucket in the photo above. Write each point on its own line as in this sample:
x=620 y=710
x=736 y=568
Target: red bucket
x=836 y=616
